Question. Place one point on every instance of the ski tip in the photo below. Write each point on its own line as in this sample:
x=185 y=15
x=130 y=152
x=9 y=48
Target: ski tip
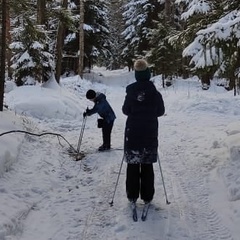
x=135 y=219
x=135 y=216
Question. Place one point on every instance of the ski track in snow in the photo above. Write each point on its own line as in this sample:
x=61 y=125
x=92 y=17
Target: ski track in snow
x=191 y=212
x=190 y=216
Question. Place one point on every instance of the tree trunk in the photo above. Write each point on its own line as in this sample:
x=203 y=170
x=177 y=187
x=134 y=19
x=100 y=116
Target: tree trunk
x=163 y=80
x=81 y=40
x=3 y=53
x=232 y=84
x=206 y=80
x=41 y=9
x=168 y=10
x=59 y=45
x=8 y=41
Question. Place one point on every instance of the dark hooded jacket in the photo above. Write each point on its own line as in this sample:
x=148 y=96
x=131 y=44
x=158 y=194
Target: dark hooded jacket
x=103 y=108
x=143 y=105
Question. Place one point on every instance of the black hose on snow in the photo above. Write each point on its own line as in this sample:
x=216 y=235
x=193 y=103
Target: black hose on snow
x=39 y=135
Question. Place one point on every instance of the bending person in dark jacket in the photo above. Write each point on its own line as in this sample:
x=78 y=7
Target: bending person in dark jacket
x=103 y=108
x=143 y=105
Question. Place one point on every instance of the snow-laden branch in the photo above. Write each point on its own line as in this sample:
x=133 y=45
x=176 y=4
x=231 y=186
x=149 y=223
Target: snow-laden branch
x=195 y=7
x=206 y=49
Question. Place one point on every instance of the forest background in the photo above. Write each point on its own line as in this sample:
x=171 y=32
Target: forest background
x=179 y=38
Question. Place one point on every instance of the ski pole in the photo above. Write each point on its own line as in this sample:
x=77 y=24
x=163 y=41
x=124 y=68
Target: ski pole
x=81 y=134
x=165 y=192
x=111 y=203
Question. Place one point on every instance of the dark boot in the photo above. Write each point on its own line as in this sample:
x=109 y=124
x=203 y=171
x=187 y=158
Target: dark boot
x=104 y=148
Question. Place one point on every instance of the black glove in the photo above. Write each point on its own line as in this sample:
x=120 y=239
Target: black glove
x=86 y=113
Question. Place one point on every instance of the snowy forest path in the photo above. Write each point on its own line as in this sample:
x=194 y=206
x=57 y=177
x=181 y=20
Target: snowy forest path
x=48 y=184
x=186 y=171
x=188 y=166
x=42 y=189
x=61 y=199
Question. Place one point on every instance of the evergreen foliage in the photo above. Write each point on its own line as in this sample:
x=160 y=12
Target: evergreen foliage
x=140 y=18
x=97 y=37
x=31 y=59
x=165 y=58
x=211 y=39
x=96 y=34
x=116 y=39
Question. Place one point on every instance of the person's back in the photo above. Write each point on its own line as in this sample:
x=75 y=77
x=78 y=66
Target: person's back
x=143 y=105
x=102 y=107
x=143 y=101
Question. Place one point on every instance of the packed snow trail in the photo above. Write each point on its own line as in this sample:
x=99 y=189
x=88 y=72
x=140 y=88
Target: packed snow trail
x=61 y=199
x=189 y=176
x=51 y=213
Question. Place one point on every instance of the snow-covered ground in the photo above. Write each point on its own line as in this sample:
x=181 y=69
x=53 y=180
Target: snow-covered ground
x=45 y=194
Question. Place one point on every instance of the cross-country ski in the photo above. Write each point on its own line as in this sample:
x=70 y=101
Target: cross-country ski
x=134 y=211
x=145 y=211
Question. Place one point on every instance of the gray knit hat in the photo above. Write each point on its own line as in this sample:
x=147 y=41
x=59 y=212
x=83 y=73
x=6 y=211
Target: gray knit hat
x=142 y=72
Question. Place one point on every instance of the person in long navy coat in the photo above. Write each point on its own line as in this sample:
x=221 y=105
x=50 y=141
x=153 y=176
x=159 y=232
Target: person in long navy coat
x=143 y=105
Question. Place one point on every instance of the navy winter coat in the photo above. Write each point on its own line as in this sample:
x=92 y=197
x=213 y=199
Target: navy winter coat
x=143 y=105
x=103 y=108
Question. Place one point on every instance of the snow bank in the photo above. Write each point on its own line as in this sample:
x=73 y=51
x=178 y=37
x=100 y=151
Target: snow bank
x=44 y=103
x=10 y=143
x=232 y=173
x=229 y=169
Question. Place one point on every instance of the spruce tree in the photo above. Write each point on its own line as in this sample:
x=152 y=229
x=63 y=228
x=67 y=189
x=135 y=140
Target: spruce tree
x=165 y=57
x=96 y=34
x=31 y=60
x=116 y=39
x=140 y=18
x=213 y=48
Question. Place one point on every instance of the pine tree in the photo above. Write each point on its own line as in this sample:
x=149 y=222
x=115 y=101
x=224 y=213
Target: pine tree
x=165 y=58
x=31 y=43
x=31 y=60
x=214 y=50
x=96 y=34
x=140 y=18
x=197 y=16
x=116 y=40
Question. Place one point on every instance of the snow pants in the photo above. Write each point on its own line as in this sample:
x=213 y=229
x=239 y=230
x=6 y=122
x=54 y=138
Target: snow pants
x=140 y=179
x=106 y=133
